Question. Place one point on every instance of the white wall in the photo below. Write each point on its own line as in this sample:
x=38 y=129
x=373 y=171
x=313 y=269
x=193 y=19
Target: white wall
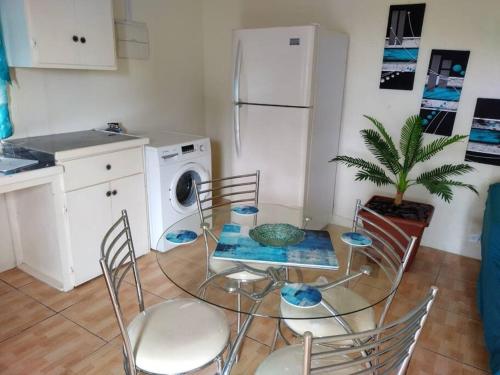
x=164 y=92
x=449 y=24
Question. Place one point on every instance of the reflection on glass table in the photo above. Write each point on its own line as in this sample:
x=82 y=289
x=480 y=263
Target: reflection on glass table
x=288 y=289
x=186 y=266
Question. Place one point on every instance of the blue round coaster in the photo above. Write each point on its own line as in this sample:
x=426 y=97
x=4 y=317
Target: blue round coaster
x=245 y=210
x=301 y=295
x=356 y=239
x=181 y=236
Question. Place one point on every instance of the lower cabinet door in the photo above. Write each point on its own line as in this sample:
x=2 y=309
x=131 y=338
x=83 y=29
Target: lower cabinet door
x=89 y=216
x=129 y=193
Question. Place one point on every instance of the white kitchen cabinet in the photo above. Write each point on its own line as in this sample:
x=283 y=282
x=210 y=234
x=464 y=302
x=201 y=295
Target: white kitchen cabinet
x=129 y=193
x=89 y=217
x=96 y=24
x=75 y=34
x=91 y=212
x=98 y=187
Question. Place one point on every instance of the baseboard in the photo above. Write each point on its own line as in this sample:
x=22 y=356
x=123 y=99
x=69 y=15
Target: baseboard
x=41 y=276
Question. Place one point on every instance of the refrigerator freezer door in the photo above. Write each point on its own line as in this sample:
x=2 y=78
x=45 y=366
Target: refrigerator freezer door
x=276 y=65
x=274 y=140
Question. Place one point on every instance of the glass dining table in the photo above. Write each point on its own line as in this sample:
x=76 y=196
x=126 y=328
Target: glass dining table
x=186 y=265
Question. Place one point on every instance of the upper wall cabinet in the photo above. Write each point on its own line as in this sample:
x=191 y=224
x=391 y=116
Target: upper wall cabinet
x=73 y=34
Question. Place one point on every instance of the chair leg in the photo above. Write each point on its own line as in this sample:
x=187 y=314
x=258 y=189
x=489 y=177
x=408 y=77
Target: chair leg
x=126 y=367
x=220 y=364
x=238 y=308
x=276 y=333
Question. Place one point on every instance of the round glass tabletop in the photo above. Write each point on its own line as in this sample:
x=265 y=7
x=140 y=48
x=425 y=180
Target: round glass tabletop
x=182 y=256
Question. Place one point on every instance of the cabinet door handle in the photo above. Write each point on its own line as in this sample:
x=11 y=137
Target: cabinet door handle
x=114 y=192
x=83 y=40
x=75 y=38
x=108 y=166
x=108 y=193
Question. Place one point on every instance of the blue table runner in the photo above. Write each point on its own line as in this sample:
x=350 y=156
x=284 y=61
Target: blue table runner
x=316 y=251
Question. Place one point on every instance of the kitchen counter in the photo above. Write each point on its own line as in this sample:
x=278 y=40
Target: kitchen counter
x=68 y=146
x=49 y=204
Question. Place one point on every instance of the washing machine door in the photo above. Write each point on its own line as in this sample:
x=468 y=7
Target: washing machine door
x=182 y=189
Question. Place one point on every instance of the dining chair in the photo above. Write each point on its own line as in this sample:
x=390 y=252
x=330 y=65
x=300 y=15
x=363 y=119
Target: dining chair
x=228 y=191
x=176 y=336
x=387 y=251
x=384 y=350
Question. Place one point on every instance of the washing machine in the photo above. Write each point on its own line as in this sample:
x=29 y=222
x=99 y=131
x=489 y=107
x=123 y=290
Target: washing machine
x=175 y=162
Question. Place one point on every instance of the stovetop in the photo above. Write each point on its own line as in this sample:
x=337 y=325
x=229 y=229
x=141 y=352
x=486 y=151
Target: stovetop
x=12 y=151
x=69 y=141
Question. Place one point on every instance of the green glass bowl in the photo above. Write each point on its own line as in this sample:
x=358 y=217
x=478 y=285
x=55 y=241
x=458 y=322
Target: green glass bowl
x=277 y=235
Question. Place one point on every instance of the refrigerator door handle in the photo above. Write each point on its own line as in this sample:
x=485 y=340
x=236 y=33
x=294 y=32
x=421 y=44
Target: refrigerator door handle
x=236 y=98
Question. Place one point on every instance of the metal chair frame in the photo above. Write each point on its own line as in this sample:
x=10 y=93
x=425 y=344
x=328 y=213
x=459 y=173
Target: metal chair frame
x=394 y=266
x=217 y=189
x=245 y=188
x=117 y=259
x=389 y=347
x=395 y=259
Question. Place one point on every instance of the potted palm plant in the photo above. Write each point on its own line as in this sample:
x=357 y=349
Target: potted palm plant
x=395 y=169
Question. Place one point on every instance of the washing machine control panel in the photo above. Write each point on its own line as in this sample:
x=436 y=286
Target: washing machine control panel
x=185 y=151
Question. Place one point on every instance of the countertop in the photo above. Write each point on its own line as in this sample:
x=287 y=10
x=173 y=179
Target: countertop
x=49 y=150
x=56 y=143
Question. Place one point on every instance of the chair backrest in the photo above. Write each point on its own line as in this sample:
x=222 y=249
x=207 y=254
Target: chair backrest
x=385 y=350
x=226 y=191
x=391 y=248
x=117 y=259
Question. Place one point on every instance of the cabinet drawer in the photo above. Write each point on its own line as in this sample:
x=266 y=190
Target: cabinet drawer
x=94 y=170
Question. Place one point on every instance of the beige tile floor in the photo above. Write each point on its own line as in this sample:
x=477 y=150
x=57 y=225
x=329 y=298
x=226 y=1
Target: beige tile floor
x=44 y=331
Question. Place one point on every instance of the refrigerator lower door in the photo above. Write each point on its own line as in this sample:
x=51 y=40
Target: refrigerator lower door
x=274 y=140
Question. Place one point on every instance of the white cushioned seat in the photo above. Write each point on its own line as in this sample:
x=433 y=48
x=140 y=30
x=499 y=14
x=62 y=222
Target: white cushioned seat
x=177 y=336
x=340 y=298
x=290 y=359
x=218 y=266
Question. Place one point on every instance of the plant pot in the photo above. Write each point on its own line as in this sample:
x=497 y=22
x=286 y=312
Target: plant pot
x=411 y=217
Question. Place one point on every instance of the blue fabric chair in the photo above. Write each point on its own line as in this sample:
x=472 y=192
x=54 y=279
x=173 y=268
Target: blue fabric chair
x=489 y=277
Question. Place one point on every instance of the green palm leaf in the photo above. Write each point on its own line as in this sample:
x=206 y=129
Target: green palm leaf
x=385 y=135
x=368 y=171
x=443 y=172
x=442 y=188
x=378 y=179
x=401 y=162
x=428 y=151
x=411 y=141
x=381 y=150
x=439 y=188
x=461 y=184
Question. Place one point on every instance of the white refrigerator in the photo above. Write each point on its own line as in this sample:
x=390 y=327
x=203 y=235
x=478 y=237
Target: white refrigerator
x=288 y=86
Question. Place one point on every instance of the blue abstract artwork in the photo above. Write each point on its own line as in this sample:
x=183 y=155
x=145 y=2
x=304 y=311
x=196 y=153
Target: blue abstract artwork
x=301 y=295
x=181 y=236
x=315 y=251
x=402 y=42
x=484 y=139
x=443 y=87
x=245 y=210
x=356 y=239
